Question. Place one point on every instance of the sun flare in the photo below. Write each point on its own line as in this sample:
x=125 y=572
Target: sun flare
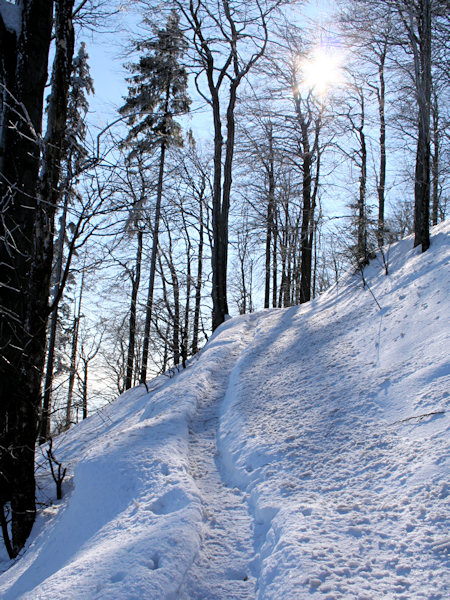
x=321 y=71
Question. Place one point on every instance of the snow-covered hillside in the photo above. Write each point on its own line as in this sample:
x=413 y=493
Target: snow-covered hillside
x=302 y=454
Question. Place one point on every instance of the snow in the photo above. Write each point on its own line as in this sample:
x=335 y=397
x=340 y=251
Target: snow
x=303 y=453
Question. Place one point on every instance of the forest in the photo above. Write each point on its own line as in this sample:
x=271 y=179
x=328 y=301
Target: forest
x=263 y=149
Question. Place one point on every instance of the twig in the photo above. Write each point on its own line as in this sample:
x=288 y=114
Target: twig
x=419 y=417
x=365 y=284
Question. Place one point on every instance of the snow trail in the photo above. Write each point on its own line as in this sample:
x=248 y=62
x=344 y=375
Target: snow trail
x=223 y=566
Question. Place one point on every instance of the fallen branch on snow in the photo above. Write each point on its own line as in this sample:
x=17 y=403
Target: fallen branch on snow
x=419 y=417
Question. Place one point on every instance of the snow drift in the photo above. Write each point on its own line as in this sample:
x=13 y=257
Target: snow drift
x=302 y=453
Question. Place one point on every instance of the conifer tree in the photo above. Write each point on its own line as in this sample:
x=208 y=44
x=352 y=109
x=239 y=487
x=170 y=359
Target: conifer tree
x=157 y=95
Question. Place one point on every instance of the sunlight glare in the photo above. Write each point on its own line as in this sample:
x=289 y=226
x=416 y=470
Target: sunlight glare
x=321 y=71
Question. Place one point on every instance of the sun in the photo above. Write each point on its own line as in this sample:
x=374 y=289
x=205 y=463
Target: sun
x=321 y=71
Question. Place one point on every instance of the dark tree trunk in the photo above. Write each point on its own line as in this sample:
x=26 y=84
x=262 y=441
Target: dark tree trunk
x=308 y=148
x=269 y=218
x=74 y=352
x=295 y=270
x=176 y=315
x=274 y=263
x=362 y=221
x=166 y=350
x=306 y=249
x=72 y=368
x=44 y=425
x=132 y=325
x=24 y=264
x=198 y=284
x=151 y=281
x=314 y=281
x=422 y=192
x=422 y=60
x=381 y=187
x=84 y=389
x=219 y=227
x=220 y=219
x=5 y=533
x=435 y=163
x=187 y=307
x=284 y=284
x=361 y=215
x=287 y=301
x=314 y=226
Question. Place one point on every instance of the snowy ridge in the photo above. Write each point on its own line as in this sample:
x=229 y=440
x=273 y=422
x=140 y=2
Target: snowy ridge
x=302 y=454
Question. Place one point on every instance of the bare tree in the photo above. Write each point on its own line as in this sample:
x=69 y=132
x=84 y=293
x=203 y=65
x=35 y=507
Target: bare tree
x=194 y=172
x=258 y=148
x=229 y=38
x=371 y=31
x=89 y=349
x=417 y=23
x=416 y=18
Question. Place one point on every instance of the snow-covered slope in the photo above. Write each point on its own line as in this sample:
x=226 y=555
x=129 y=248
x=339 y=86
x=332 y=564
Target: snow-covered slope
x=302 y=454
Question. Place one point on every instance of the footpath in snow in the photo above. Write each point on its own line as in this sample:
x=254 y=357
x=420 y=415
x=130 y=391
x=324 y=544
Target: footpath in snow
x=303 y=454
x=223 y=567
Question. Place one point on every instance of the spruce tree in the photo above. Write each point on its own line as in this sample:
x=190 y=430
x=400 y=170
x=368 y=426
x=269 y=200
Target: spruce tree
x=157 y=94
x=81 y=85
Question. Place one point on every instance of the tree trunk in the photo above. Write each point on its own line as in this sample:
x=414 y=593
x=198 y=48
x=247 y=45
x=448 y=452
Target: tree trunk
x=219 y=241
x=306 y=249
x=72 y=368
x=381 y=187
x=435 y=163
x=198 y=284
x=289 y=278
x=85 y=388
x=269 y=219
x=307 y=227
x=151 y=282
x=73 y=357
x=362 y=226
x=166 y=350
x=362 y=251
x=132 y=324
x=275 y=264
x=24 y=264
x=44 y=425
x=284 y=283
x=176 y=315
x=187 y=307
x=422 y=64
x=314 y=284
